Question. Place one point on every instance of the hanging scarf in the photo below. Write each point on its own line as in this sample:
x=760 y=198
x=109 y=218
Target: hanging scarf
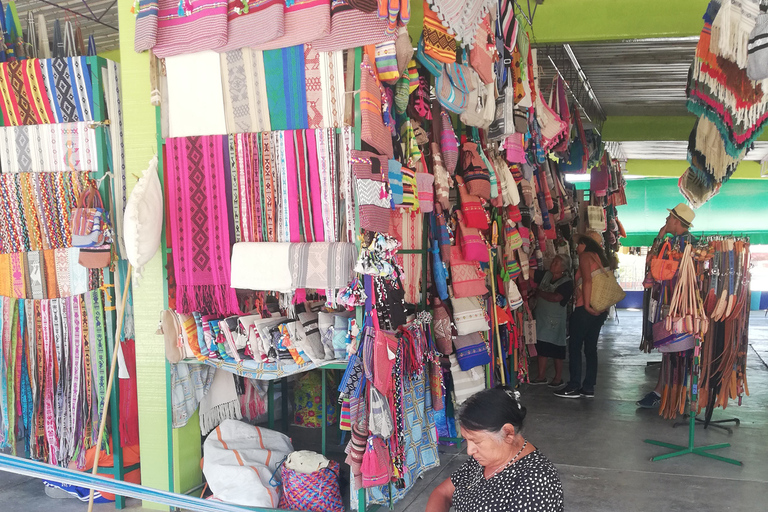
x=286 y=88
x=94 y=308
x=245 y=91
x=199 y=229
x=332 y=89
x=6 y=436
x=328 y=191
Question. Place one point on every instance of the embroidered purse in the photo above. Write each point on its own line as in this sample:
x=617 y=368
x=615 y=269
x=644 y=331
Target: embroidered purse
x=469 y=315
x=471 y=242
x=467 y=279
x=471 y=351
x=89 y=221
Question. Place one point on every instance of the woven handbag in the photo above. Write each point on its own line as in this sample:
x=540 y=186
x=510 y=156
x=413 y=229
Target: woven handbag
x=605 y=290
x=664 y=269
x=89 y=221
x=377 y=463
x=317 y=492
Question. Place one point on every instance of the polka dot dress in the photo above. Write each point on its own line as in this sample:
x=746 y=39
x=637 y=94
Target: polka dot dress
x=529 y=485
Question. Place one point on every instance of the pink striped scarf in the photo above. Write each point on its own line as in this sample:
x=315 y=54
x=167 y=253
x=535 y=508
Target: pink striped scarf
x=199 y=225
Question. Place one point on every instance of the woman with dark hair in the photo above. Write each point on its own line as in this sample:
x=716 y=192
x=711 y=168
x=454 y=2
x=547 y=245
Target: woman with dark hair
x=504 y=473
x=585 y=321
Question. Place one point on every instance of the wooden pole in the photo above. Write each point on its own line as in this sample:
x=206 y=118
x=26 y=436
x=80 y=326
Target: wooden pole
x=103 y=423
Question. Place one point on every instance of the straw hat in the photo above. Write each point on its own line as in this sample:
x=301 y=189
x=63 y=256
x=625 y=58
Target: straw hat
x=683 y=213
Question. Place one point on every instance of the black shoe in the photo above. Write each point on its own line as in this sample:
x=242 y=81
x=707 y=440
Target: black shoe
x=587 y=394
x=568 y=392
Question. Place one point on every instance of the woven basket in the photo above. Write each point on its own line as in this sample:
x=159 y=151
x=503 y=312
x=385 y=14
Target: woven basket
x=605 y=290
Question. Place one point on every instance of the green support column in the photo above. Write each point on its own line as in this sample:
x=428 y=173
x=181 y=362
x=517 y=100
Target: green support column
x=163 y=449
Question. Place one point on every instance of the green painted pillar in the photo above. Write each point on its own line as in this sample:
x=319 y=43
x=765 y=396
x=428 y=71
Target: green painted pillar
x=170 y=458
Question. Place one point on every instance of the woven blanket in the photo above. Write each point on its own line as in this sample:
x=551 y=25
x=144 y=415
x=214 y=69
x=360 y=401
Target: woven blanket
x=67 y=84
x=286 y=88
x=351 y=28
x=195 y=97
x=245 y=91
x=200 y=26
x=258 y=23
x=461 y=17
x=305 y=21
x=199 y=225
x=322 y=265
x=48 y=148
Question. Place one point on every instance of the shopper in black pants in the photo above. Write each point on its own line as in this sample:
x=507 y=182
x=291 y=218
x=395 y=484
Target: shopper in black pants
x=585 y=321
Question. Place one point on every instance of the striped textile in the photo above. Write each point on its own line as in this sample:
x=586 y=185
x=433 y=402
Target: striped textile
x=305 y=22
x=322 y=265
x=371 y=174
x=48 y=148
x=351 y=28
x=373 y=131
x=263 y=21
x=202 y=26
x=22 y=94
x=286 y=88
x=245 y=91
x=145 y=34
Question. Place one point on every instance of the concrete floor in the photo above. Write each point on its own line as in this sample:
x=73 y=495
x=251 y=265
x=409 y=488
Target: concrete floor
x=597 y=444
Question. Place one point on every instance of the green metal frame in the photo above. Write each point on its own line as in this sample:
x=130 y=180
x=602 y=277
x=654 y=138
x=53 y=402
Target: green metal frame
x=96 y=66
x=691 y=449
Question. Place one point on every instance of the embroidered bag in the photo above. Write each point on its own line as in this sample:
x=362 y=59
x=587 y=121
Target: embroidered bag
x=483 y=54
x=472 y=211
x=471 y=242
x=469 y=315
x=441 y=330
x=471 y=351
x=89 y=221
x=467 y=279
x=466 y=384
x=377 y=463
x=474 y=171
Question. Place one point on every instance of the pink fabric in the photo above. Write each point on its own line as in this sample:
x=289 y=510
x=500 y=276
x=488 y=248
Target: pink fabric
x=315 y=188
x=351 y=28
x=293 y=190
x=305 y=21
x=204 y=28
x=425 y=185
x=264 y=22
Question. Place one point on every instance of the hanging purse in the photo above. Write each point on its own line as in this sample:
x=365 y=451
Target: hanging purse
x=467 y=279
x=380 y=418
x=441 y=331
x=89 y=221
x=475 y=173
x=377 y=463
x=466 y=383
x=436 y=385
x=606 y=291
x=440 y=274
x=471 y=351
x=529 y=327
x=472 y=244
x=384 y=350
x=469 y=315
x=483 y=54
x=664 y=269
x=473 y=213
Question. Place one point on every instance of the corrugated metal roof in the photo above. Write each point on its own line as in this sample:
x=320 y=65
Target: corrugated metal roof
x=94 y=17
x=675 y=150
x=638 y=77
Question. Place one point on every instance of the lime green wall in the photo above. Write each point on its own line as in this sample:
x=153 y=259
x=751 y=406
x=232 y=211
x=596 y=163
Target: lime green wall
x=733 y=210
x=675 y=169
x=624 y=128
x=572 y=21
x=111 y=55
x=158 y=460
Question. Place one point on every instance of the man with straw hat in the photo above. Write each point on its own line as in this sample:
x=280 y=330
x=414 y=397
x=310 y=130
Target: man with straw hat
x=679 y=221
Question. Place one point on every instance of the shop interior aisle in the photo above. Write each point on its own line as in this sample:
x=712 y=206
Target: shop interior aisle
x=596 y=444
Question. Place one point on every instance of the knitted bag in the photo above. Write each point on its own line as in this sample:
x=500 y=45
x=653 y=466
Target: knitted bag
x=316 y=492
x=386 y=62
x=483 y=54
x=432 y=65
x=450 y=95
